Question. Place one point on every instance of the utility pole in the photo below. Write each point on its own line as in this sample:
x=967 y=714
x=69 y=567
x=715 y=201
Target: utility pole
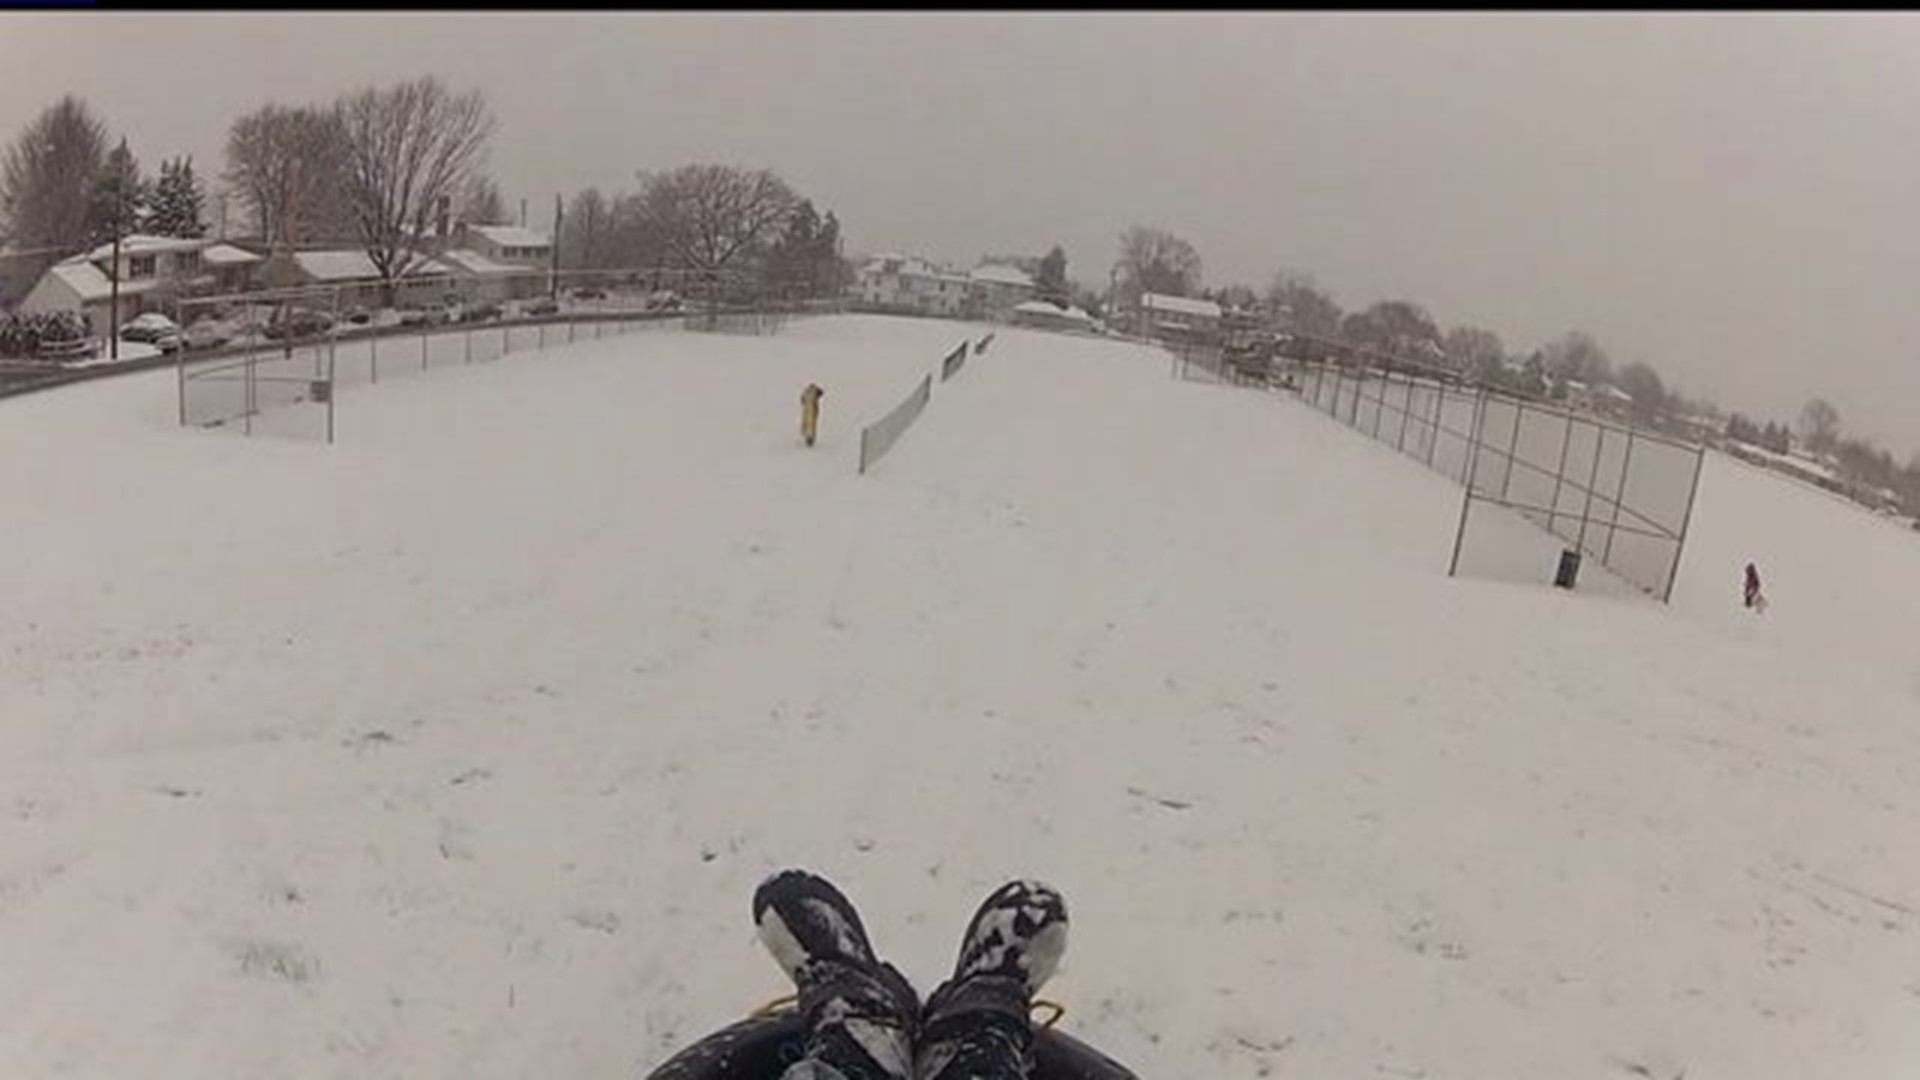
x=523 y=211
x=553 y=274
x=113 y=275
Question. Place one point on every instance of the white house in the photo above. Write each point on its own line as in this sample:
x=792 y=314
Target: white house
x=351 y=270
x=484 y=278
x=996 y=290
x=153 y=271
x=528 y=249
x=905 y=284
x=1179 y=318
x=1041 y=315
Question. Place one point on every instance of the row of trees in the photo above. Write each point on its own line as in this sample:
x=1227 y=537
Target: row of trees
x=711 y=218
x=377 y=166
x=1156 y=260
x=62 y=189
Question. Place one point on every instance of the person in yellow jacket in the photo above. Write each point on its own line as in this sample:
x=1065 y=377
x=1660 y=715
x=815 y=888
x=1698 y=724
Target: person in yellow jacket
x=810 y=412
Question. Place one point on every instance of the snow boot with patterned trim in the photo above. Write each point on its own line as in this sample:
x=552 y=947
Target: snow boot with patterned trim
x=861 y=1014
x=977 y=1024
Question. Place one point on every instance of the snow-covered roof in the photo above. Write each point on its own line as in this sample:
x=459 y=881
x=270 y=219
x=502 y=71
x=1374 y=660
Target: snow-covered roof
x=511 y=235
x=472 y=262
x=353 y=264
x=1001 y=274
x=228 y=255
x=1184 y=305
x=1791 y=462
x=90 y=282
x=143 y=244
x=1041 y=307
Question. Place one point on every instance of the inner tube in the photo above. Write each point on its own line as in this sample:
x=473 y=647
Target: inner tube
x=762 y=1047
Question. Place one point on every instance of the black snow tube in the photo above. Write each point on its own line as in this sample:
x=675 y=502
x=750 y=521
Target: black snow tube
x=761 y=1048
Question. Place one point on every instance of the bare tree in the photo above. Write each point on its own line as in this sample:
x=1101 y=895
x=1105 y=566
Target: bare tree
x=1578 y=356
x=1303 y=306
x=583 y=235
x=409 y=148
x=47 y=177
x=287 y=165
x=1649 y=391
x=1475 y=352
x=483 y=204
x=1820 y=425
x=1401 y=327
x=710 y=215
x=1155 y=260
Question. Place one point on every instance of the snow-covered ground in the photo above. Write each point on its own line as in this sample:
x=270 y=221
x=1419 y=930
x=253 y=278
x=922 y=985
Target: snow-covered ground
x=455 y=749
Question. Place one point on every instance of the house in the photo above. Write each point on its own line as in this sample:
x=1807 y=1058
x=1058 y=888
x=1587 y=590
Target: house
x=995 y=290
x=154 y=272
x=903 y=284
x=485 y=279
x=1603 y=399
x=512 y=245
x=351 y=271
x=1041 y=315
x=1176 y=318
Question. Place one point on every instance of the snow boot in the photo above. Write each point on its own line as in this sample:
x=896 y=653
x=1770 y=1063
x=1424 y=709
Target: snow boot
x=860 y=1013
x=977 y=1024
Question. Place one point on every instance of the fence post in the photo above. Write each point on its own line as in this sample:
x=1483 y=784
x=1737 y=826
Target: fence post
x=1466 y=500
x=1686 y=519
x=1593 y=477
x=1560 y=473
x=423 y=346
x=1439 y=413
x=1513 y=448
x=1380 y=405
x=332 y=390
x=1406 y=414
x=373 y=366
x=1619 y=496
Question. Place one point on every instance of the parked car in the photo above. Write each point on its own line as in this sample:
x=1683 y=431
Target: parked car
x=664 y=300
x=358 y=317
x=540 y=307
x=427 y=316
x=295 y=323
x=589 y=292
x=480 y=311
x=153 y=328
x=208 y=333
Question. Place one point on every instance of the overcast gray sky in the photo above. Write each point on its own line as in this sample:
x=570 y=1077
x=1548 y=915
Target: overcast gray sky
x=1733 y=198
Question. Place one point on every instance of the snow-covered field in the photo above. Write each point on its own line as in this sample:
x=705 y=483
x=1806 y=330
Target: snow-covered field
x=455 y=749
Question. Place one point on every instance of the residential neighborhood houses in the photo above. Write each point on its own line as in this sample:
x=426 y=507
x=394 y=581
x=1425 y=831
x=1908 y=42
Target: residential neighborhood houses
x=153 y=271
x=487 y=263
x=903 y=284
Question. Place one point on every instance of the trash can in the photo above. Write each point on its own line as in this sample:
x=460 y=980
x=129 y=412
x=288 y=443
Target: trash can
x=1569 y=570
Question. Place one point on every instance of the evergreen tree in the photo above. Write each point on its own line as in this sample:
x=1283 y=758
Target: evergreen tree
x=178 y=201
x=1052 y=278
x=828 y=275
x=119 y=197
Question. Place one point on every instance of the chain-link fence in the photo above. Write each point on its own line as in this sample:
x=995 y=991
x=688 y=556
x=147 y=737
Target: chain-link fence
x=954 y=361
x=878 y=437
x=1617 y=494
x=245 y=354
